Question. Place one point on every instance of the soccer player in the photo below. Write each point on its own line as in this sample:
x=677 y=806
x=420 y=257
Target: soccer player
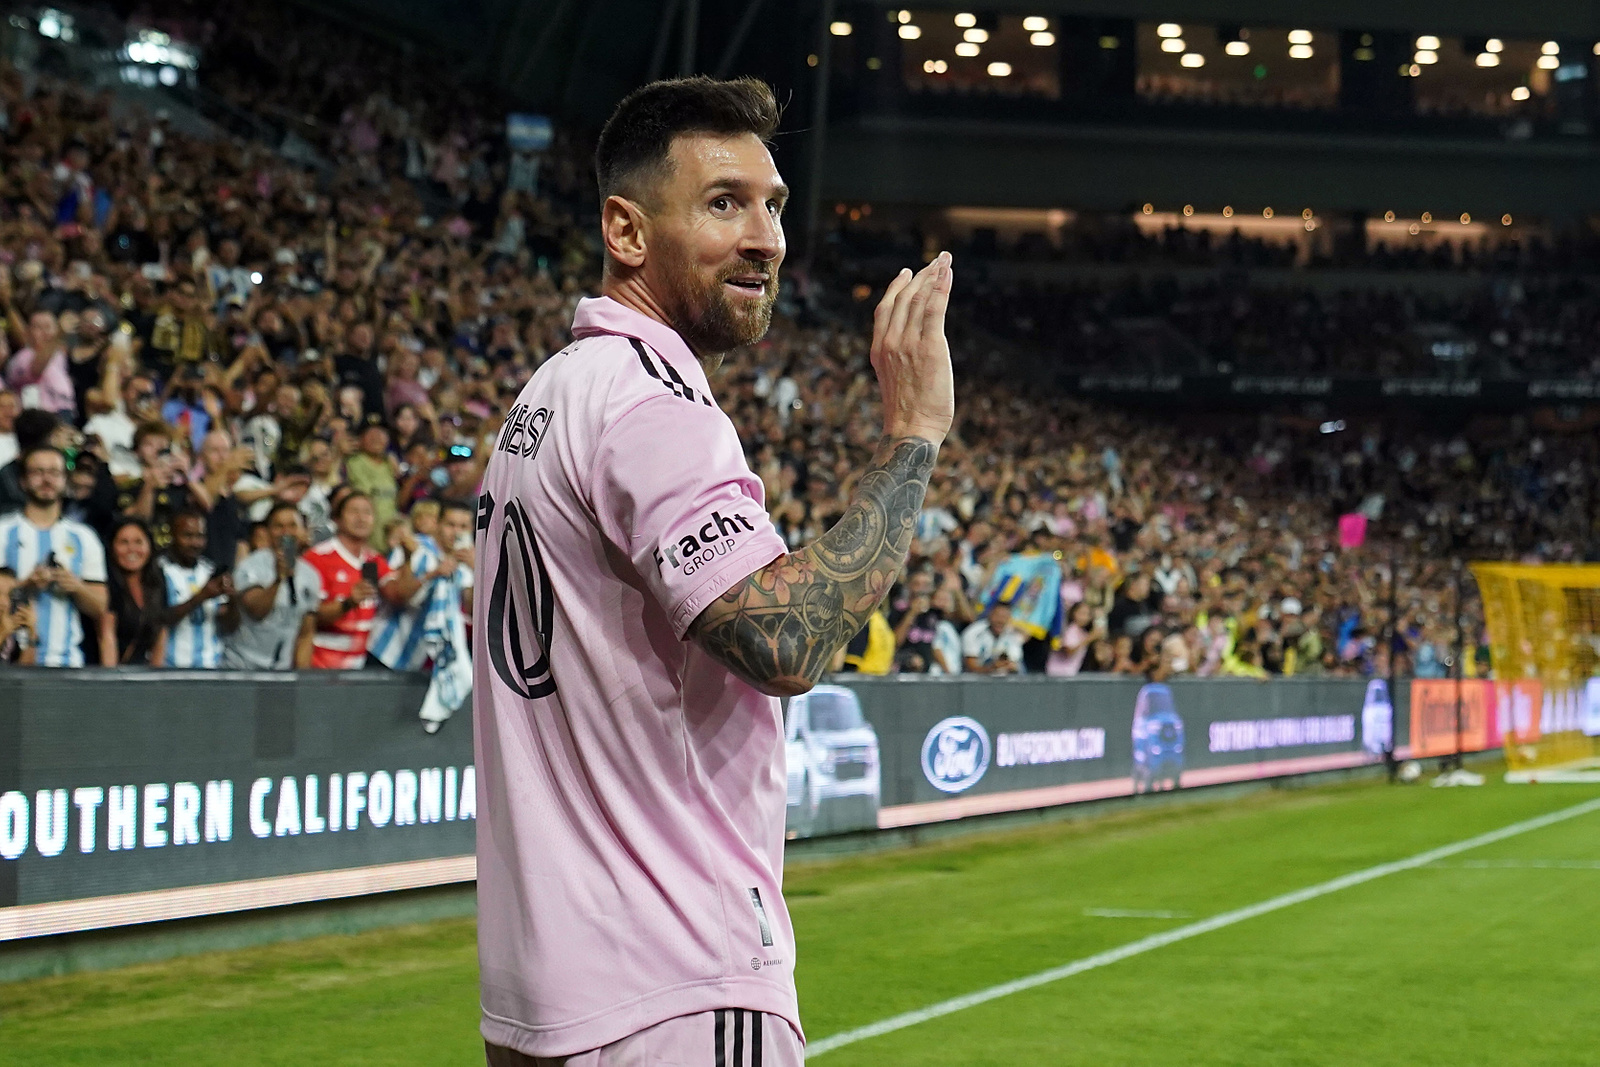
x=638 y=616
x=200 y=603
x=61 y=563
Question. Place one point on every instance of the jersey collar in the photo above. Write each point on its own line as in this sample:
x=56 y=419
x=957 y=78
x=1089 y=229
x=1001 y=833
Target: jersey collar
x=603 y=315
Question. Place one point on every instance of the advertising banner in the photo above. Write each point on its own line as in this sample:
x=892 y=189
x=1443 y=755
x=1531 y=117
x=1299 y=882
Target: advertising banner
x=127 y=789
x=944 y=748
x=1484 y=713
x=140 y=796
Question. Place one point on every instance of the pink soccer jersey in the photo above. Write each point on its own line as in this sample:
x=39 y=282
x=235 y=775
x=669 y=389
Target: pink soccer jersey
x=630 y=788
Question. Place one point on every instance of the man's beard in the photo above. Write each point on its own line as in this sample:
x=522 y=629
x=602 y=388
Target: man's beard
x=709 y=320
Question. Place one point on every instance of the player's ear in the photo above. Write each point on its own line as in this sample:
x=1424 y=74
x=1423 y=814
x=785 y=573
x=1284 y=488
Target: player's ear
x=624 y=226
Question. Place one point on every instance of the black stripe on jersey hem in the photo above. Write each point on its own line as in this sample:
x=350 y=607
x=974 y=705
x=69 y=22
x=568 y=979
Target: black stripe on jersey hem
x=757 y=1022
x=738 y=1037
x=717 y=1028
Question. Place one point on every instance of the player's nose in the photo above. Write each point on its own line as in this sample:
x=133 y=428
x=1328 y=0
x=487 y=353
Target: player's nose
x=763 y=238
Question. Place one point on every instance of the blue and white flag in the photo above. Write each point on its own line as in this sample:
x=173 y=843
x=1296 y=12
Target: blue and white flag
x=1031 y=584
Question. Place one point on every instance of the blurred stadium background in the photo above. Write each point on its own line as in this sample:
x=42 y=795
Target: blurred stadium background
x=1277 y=330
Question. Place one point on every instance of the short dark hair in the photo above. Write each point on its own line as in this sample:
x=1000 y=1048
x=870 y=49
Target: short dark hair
x=37 y=450
x=281 y=505
x=636 y=143
x=344 y=502
x=192 y=513
x=33 y=428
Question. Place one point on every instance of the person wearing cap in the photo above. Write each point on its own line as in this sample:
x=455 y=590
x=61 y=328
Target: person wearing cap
x=372 y=471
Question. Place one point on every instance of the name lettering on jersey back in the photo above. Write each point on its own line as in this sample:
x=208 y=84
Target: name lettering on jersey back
x=694 y=550
x=523 y=431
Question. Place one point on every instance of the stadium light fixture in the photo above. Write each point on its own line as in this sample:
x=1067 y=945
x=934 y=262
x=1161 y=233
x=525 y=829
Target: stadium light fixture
x=1188 y=210
x=1487 y=59
x=1299 y=36
x=1237 y=48
x=1035 y=23
x=1300 y=51
x=967 y=50
x=1042 y=38
x=1427 y=43
x=1169 y=29
x=1306 y=213
x=840 y=29
x=1427 y=217
x=934 y=66
x=999 y=70
x=1505 y=220
x=1266 y=212
x=1413 y=229
x=1149 y=209
x=975 y=36
x=910 y=33
x=1388 y=216
x=1227 y=211
x=1495 y=45
x=1414 y=71
x=1549 y=62
x=902 y=17
x=1550 y=48
x=966 y=19
x=1193 y=59
x=1597 y=48
x=1465 y=218
x=1520 y=93
x=1425 y=57
x=1173 y=44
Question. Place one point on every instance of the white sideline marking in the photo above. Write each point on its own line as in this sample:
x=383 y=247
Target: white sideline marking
x=1133 y=913
x=1195 y=929
x=1515 y=865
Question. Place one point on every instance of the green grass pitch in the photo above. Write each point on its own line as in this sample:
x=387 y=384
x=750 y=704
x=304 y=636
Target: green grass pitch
x=1490 y=957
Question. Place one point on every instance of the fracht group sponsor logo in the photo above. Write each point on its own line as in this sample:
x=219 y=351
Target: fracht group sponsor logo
x=716 y=537
x=955 y=754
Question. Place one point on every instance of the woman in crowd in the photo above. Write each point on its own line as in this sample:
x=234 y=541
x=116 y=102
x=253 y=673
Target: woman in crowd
x=131 y=632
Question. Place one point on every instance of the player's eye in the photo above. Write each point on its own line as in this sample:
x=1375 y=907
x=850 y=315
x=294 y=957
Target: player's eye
x=722 y=204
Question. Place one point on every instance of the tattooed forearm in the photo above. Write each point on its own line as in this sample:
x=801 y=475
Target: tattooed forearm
x=780 y=628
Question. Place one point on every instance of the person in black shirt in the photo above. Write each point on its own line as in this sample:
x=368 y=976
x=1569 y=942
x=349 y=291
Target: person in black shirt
x=357 y=365
x=130 y=631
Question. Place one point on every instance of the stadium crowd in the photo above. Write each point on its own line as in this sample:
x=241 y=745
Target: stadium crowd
x=248 y=402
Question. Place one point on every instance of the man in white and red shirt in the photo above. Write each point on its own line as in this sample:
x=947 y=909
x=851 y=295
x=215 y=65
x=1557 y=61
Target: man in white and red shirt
x=353 y=579
x=637 y=616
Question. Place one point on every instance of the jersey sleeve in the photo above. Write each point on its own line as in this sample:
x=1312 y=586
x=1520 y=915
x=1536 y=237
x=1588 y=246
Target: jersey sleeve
x=93 y=568
x=254 y=571
x=671 y=489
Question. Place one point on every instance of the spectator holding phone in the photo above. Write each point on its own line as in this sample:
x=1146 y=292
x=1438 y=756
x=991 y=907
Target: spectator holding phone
x=18 y=626
x=200 y=605
x=161 y=490
x=61 y=563
x=990 y=645
x=354 y=580
x=279 y=593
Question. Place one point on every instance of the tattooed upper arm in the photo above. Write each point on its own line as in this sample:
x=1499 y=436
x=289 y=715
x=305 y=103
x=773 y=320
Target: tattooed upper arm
x=780 y=627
